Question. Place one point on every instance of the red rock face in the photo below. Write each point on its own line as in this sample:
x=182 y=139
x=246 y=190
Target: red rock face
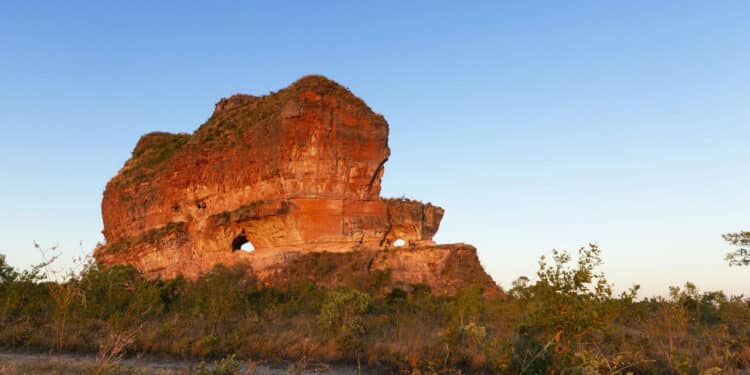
x=293 y=172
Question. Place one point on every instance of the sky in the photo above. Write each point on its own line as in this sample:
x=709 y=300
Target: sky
x=536 y=125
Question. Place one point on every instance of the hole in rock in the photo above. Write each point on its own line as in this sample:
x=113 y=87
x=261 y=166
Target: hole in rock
x=247 y=246
x=399 y=242
x=241 y=243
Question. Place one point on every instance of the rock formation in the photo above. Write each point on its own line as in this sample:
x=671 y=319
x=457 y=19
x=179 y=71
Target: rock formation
x=293 y=173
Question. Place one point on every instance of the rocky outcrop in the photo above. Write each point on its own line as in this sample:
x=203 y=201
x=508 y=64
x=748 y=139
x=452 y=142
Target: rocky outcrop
x=294 y=172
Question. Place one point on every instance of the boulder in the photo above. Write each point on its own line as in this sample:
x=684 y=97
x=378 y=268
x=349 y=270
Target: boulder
x=294 y=172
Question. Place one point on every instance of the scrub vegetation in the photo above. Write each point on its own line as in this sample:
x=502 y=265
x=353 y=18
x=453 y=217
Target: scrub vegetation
x=152 y=150
x=565 y=321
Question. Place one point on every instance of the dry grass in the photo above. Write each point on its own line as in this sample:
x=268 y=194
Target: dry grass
x=43 y=364
x=12 y=364
x=554 y=324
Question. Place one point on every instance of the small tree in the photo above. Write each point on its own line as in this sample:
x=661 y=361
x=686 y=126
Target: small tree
x=342 y=314
x=7 y=273
x=741 y=255
x=564 y=310
x=64 y=293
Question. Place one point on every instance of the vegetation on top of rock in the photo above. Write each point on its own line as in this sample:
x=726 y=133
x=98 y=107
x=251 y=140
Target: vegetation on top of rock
x=232 y=117
x=152 y=235
x=246 y=211
x=240 y=112
x=150 y=152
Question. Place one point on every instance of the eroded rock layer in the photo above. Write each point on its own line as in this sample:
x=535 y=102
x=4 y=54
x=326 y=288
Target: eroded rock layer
x=294 y=172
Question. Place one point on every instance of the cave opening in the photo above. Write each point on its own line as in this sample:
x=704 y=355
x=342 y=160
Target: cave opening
x=241 y=243
x=399 y=242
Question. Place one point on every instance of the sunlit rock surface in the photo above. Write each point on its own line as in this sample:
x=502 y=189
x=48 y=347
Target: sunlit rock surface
x=291 y=173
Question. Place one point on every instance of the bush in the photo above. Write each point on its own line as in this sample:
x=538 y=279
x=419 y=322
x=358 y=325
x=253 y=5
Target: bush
x=566 y=321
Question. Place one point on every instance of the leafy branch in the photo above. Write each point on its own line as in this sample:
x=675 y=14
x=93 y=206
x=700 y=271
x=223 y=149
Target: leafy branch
x=741 y=255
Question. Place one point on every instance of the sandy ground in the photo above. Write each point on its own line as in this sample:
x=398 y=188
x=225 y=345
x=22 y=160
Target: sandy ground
x=25 y=363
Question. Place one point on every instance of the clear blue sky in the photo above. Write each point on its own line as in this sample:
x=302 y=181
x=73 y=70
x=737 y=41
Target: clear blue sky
x=536 y=126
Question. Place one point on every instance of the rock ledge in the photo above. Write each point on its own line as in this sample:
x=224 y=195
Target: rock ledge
x=293 y=173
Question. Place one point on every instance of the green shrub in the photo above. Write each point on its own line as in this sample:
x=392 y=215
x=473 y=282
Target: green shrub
x=566 y=321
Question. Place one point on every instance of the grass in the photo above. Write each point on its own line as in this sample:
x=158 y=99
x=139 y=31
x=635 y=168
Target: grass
x=567 y=321
x=72 y=365
x=151 y=151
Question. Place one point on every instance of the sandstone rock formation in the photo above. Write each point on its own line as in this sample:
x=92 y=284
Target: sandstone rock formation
x=293 y=173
